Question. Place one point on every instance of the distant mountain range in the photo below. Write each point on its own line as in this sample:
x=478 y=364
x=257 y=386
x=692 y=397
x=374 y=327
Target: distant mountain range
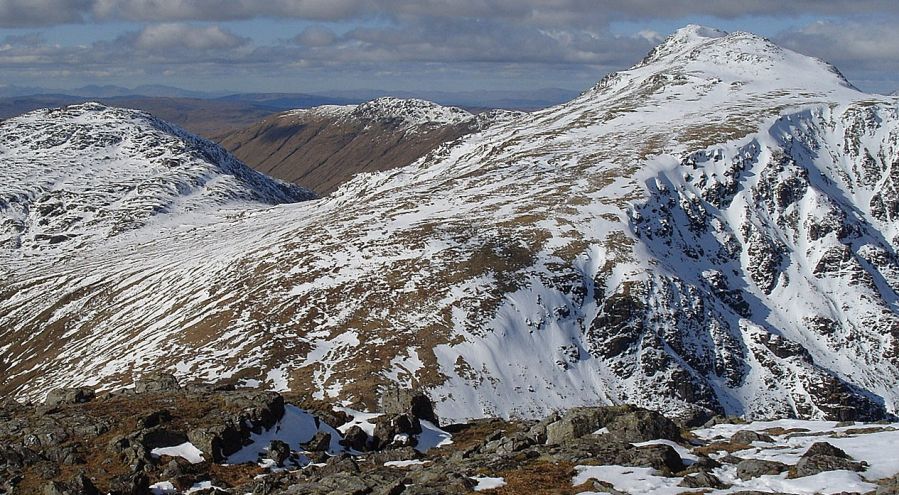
x=208 y=118
x=513 y=99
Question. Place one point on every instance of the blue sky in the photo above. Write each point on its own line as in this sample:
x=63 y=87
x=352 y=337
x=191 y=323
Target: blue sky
x=425 y=45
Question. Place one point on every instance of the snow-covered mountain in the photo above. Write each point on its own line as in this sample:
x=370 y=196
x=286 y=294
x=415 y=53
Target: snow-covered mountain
x=88 y=172
x=322 y=147
x=714 y=228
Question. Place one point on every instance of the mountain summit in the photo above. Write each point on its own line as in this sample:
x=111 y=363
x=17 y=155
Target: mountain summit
x=711 y=231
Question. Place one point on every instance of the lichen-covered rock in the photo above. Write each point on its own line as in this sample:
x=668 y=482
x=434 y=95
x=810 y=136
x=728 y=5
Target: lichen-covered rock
x=156 y=382
x=749 y=436
x=753 y=468
x=60 y=396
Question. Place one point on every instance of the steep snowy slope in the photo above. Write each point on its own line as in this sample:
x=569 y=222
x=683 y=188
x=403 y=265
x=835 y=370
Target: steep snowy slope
x=88 y=172
x=323 y=147
x=712 y=229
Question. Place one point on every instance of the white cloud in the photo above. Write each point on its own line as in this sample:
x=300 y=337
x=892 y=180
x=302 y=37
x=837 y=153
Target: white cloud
x=848 y=44
x=163 y=37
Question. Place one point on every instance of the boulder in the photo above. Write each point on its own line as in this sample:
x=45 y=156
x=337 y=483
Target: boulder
x=642 y=425
x=749 y=436
x=824 y=448
x=822 y=457
x=809 y=466
x=79 y=485
x=703 y=480
x=388 y=427
x=217 y=442
x=625 y=423
x=396 y=401
x=575 y=423
x=278 y=451
x=661 y=457
x=321 y=442
x=59 y=396
x=753 y=468
x=262 y=409
x=156 y=382
x=356 y=439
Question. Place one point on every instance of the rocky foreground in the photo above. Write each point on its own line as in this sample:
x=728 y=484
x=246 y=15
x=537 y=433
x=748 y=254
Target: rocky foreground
x=162 y=438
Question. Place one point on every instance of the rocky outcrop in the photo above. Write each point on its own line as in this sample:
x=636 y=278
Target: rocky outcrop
x=60 y=396
x=125 y=443
x=624 y=423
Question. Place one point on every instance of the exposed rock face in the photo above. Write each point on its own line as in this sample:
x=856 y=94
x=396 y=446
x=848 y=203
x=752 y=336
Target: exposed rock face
x=398 y=400
x=156 y=382
x=59 y=396
x=323 y=147
x=624 y=423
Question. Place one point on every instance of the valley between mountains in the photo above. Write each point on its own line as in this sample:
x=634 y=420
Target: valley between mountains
x=711 y=232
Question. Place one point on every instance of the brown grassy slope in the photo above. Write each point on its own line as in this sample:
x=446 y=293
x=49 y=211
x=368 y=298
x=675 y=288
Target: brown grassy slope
x=321 y=152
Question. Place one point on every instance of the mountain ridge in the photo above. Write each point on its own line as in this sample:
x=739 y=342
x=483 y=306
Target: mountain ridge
x=685 y=237
x=322 y=147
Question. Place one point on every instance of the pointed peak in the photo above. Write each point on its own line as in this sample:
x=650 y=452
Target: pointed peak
x=684 y=39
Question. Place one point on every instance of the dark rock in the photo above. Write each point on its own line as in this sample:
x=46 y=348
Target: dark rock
x=355 y=438
x=172 y=469
x=159 y=437
x=642 y=425
x=749 y=436
x=136 y=484
x=388 y=427
x=156 y=382
x=79 y=485
x=723 y=420
x=661 y=457
x=155 y=419
x=611 y=452
x=335 y=419
x=395 y=487
x=217 y=442
x=705 y=463
x=59 y=396
x=321 y=442
x=809 y=466
x=513 y=443
x=693 y=417
x=731 y=459
x=703 y=480
x=396 y=401
x=824 y=448
x=753 y=468
x=278 y=451
x=337 y=464
x=261 y=409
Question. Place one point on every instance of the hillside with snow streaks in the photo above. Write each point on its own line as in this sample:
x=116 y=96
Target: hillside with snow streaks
x=713 y=229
